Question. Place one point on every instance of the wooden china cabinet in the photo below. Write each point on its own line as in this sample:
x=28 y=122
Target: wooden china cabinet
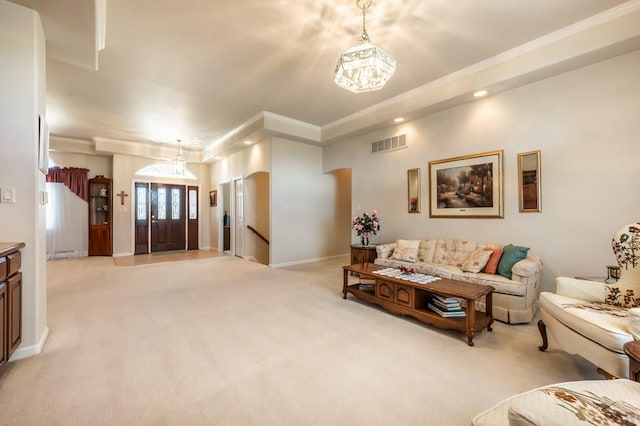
x=100 y=217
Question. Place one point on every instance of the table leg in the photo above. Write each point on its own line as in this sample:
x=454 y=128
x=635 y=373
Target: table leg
x=471 y=320
x=488 y=301
x=345 y=283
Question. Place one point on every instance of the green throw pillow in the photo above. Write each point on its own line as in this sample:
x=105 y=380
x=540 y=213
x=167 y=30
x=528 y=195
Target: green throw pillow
x=510 y=256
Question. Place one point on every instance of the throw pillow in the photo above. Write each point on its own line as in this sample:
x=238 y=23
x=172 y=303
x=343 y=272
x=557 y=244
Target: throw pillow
x=623 y=296
x=511 y=254
x=408 y=243
x=476 y=261
x=425 y=250
x=384 y=250
x=405 y=254
x=407 y=250
x=492 y=264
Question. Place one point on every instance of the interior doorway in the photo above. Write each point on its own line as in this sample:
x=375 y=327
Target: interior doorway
x=225 y=190
x=238 y=215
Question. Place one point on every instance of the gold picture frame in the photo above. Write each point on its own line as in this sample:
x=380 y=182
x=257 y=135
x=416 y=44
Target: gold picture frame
x=467 y=187
x=413 y=190
x=529 y=182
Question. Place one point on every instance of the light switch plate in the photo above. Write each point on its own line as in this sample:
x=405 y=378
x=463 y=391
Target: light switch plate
x=8 y=195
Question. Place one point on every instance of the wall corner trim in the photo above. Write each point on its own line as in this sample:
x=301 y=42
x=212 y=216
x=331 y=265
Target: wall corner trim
x=25 y=352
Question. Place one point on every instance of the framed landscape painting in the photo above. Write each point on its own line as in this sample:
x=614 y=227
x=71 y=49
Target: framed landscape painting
x=469 y=186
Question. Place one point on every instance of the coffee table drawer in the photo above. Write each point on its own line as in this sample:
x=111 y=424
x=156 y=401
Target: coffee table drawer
x=403 y=296
x=400 y=294
x=384 y=290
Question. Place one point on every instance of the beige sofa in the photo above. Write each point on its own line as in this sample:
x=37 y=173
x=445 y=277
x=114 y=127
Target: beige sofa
x=515 y=299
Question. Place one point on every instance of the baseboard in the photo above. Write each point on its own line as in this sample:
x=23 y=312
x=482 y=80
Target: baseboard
x=122 y=254
x=25 y=352
x=302 y=262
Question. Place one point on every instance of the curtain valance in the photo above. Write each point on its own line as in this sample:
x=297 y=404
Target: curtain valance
x=76 y=179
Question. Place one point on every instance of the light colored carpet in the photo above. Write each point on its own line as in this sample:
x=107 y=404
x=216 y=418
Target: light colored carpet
x=224 y=341
x=165 y=256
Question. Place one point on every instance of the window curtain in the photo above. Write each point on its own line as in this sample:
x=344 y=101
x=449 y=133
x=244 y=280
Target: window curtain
x=67 y=217
x=76 y=179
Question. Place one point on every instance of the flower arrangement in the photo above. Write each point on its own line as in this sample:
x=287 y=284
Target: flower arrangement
x=366 y=226
x=407 y=271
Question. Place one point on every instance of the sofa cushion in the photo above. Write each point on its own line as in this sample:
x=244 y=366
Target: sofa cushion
x=406 y=250
x=498 y=282
x=510 y=255
x=476 y=261
x=452 y=251
x=384 y=251
x=492 y=264
x=426 y=250
x=602 y=323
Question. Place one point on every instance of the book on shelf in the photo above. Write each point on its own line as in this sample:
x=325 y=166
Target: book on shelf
x=446 y=300
x=447 y=314
x=367 y=280
x=447 y=306
x=367 y=287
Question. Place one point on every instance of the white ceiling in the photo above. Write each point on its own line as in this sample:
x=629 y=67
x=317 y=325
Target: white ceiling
x=197 y=69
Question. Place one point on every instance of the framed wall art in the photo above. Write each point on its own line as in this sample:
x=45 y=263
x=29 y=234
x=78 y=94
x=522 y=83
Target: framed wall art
x=413 y=190
x=529 y=182
x=213 y=198
x=469 y=186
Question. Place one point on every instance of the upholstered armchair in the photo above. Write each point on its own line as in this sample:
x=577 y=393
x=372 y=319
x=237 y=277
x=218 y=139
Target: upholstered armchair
x=594 y=319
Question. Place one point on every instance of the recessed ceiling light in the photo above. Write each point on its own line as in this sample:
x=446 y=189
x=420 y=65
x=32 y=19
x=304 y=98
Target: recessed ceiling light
x=247 y=142
x=398 y=120
x=480 y=93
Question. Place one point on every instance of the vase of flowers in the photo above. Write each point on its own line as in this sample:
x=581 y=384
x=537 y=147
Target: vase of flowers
x=366 y=226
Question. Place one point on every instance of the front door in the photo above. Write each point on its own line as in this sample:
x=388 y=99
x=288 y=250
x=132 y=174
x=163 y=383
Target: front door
x=168 y=223
x=192 y=228
x=141 y=221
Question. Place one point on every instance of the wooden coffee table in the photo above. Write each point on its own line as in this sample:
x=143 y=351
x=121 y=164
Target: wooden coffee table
x=404 y=297
x=632 y=349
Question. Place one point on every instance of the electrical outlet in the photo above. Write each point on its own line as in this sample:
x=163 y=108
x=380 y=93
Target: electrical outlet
x=8 y=195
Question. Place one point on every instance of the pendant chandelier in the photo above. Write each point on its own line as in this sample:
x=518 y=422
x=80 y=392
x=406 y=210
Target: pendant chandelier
x=178 y=162
x=364 y=67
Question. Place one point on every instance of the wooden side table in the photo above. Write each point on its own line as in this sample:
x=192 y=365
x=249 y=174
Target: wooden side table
x=632 y=349
x=363 y=254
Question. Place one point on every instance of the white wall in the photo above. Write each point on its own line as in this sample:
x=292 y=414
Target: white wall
x=586 y=124
x=97 y=165
x=303 y=205
x=22 y=85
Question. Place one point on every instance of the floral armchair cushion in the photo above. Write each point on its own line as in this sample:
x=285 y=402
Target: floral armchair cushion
x=623 y=296
x=626 y=247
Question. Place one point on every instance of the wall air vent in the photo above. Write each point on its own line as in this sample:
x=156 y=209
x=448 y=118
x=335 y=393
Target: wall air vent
x=389 y=144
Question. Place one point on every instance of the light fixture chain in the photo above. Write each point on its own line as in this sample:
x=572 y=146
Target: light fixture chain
x=364 y=4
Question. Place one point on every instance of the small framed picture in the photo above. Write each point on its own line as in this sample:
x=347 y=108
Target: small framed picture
x=213 y=198
x=529 y=182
